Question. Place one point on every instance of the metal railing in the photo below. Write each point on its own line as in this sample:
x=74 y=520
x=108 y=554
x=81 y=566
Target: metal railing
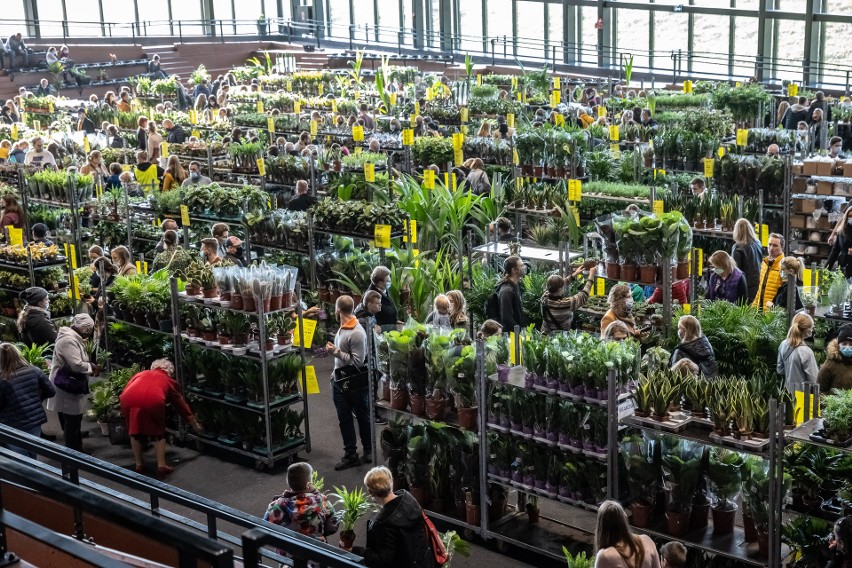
x=151 y=505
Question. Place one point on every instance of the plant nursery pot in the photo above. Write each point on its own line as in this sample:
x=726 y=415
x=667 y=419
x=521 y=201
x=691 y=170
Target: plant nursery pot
x=613 y=270
x=249 y=304
x=749 y=529
x=682 y=270
x=698 y=519
x=323 y=294
x=284 y=339
x=436 y=409
x=274 y=303
x=287 y=299
x=533 y=515
x=240 y=339
x=538 y=171
x=496 y=508
x=647 y=274
x=628 y=272
x=762 y=543
x=811 y=310
x=472 y=514
x=267 y=303
x=140 y=317
x=225 y=296
x=269 y=345
x=641 y=515
x=723 y=521
x=677 y=523
x=347 y=538
x=104 y=428
x=384 y=391
x=418 y=404
x=237 y=301
x=224 y=339
x=468 y=418
x=193 y=290
x=503 y=373
x=208 y=335
x=399 y=398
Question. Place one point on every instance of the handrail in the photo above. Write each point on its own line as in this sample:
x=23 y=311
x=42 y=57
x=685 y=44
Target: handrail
x=215 y=514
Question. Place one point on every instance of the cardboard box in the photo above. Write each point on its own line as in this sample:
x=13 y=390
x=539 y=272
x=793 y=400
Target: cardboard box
x=798 y=221
x=809 y=168
x=823 y=224
x=847 y=168
x=825 y=188
x=805 y=205
x=800 y=184
x=825 y=168
x=797 y=169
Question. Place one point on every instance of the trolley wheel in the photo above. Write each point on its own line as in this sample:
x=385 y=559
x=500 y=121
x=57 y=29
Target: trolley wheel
x=260 y=465
x=500 y=546
x=199 y=446
x=468 y=534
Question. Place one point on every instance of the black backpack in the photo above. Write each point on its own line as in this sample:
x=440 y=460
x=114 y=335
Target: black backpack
x=492 y=305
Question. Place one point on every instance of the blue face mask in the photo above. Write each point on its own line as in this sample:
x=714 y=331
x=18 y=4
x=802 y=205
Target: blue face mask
x=846 y=351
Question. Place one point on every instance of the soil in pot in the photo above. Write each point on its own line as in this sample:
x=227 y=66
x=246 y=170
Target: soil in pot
x=642 y=515
x=677 y=524
x=468 y=418
x=347 y=538
x=723 y=521
x=399 y=398
x=647 y=274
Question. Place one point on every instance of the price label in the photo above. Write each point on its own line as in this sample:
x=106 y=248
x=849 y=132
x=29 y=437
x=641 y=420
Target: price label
x=764 y=235
x=16 y=236
x=464 y=114
x=700 y=253
x=513 y=356
x=556 y=97
x=614 y=133
x=521 y=98
x=416 y=108
x=458 y=141
x=413 y=231
x=314 y=127
x=311 y=383
x=429 y=179
x=193 y=117
x=658 y=207
x=72 y=251
x=659 y=172
x=87 y=146
x=808 y=277
x=14 y=132
x=138 y=267
x=164 y=149
x=557 y=83
x=392 y=99
x=687 y=309
x=446 y=179
x=626 y=407
x=514 y=83
x=721 y=151
x=429 y=94
x=260 y=106
x=458 y=157
x=742 y=137
x=321 y=88
x=792 y=90
x=559 y=119
x=261 y=166
x=370 y=173
x=453 y=181
x=74 y=288
x=615 y=150
x=310 y=328
x=270 y=125
x=687 y=86
x=297 y=107
x=382 y=236
x=709 y=163
x=510 y=120
x=334 y=106
x=800 y=406
x=601 y=111
x=600 y=286
x=575 y=190
x=515 y=158
x=196 y=133
x=478 y=79
x=413 y=120
x=407 y=137
x=358 y=133
x=184 y=216
x=50 y=106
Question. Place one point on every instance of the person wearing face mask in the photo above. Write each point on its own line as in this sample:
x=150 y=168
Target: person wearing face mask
x=234 y=246
x=841 y=246
x=796 y=360
x=727 y=282
x=694 y=346
x=380 y=281
x=791 y=269
x=210 y=251
x=621 y=309
x=70 y=375
x=836 y=372
x=34 y=323
x=835 y=148
x=508 y=295
x=195 y=177
x=770 y=273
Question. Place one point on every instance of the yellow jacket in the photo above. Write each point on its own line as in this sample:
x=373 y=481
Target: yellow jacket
x=770 y=281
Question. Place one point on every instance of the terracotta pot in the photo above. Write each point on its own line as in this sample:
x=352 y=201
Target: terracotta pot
x=472 y=514
x=762 y=543
x=682 y=270
x=538 y=171
x=677 y=523
x=274 y=303
x=269 y=345
x=240 y=339
x=436 y=409
x=533 y=515
x=468 y=418
x=647 y=274
x=723 y=521
x=700 y=515
x=629 y=272
x=225 y=296
x=613 y=270
x=399 y=398
x=236 y=301
x=749 y=529
x=418 y=404
x=267 y=303
x=210 y=292
x=249 y=303
x=208 y=335
x=347 y=538
x=284 y=339
x=224 y=339
x=384 y=391
x=193 y=290
x=641 y=515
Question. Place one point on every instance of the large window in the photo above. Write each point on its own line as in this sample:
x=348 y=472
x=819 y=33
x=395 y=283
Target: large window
x=531 y=29
x=12 y=20
x=389 y=20
x=587 y=34
x=790 y=49
x=710 y=44
x=745 y=45
x=670 y=35
x=471 y=26
x=81 y=14
x=633 y=34
x=555 y=23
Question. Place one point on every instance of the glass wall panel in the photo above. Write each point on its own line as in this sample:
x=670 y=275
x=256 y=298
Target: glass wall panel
x=187 y=15
x=338 y=15
x=710 y=44
x=471 y=26
x=745 y=45
x=670 y=34
x=555 y=23
x=749 y=4
x=633 y=34
x=154 y=15
x=588 y=35
x=83 y=17
x=793 y=5
x=121 y=14
x=12 y=20
x=389 y=20
x=364 y=16
x=50 y=14
x=837 y=45
x=790 y=49
x=246 y=13
x=530 y=29
x=500 y=20
x=839 y=7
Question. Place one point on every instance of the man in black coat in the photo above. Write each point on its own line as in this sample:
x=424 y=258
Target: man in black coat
x=176 y=134
x=380 y=279
x=34 y=324
x=303 y=201
x=142 y=134
x=84 y=123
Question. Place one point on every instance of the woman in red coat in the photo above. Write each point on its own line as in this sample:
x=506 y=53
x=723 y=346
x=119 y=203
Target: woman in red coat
x=143 y=403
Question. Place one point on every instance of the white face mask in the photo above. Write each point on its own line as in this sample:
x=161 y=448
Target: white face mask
x=719 y=271
x=388 y=285
x=628 y=305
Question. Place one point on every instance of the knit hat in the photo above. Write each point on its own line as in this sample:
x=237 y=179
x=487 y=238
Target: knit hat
x=845 y=333
x=33 y=296
x=83 y=322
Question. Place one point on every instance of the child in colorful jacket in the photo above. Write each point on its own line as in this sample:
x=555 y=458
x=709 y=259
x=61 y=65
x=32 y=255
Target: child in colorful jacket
x=302 y=508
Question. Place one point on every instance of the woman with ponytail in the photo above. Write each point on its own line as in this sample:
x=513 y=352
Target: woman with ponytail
x=795 y=359
x=617 y=546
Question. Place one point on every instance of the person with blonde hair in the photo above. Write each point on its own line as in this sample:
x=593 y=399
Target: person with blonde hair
x=615 y=544
x=779 y=114
x=95 y=165
x=477 y=179
x=396 y=536
x=621 y=309
x=121 y=260
x=440 y=314
x=841 y=243
x=616 y=331
x=143 y=404
x=458 y=309
x=795 y=359
x=694 y=346
x=792 y=269
x=175 y=174
x=747 y=254
x=484 y=129
x=727 y=282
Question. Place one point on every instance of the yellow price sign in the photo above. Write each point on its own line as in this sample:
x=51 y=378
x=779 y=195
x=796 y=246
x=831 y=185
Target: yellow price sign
x=138 y=267
x=478 y=79
x=260 y=106
x=687 y=86
x=413 y=120
x=458 y=157
x=392 y=99
x=601 y=111
x=311 y=383
x=382 y=236
x=764 y=235
x=164 y=149
x=196 y=133
x=454 y=181
x=14 y=132
x=358 y=133
x=370 y=172
x=270 y=125
x=309 y=329
x=464 y=114
x=193 y=117
x=742 y=137
x=575 y=190
x=314 y=128
x=333 y=106
x=458 y=141
x=658 y=208
x=297 y=107
x=184 y=216
x=557 y=83
x=145 y=267
x=513 y=356
x=413 y=231
x=721 y=151
x=792 y=90
x=72 y=251
x=687 y=309
x=510 y=120
x=429 y=179
x=700 y=255
x=261 y=166
x=429 y=94
x=709 y=164
x=416 y=108
x=808 y=277
x=514 y=83
x=556 y=97
x=521 y=98
x=87 y=146
x=600 y=285
x=407 y=137
x=320 y=88
x=16 y=236
x=559 y=119
x=800 y=406
x=516 y=159
x=614 y=133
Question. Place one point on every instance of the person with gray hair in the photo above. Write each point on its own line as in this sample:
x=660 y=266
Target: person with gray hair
x=380 y=281
x=70 y=375
x=143 y=404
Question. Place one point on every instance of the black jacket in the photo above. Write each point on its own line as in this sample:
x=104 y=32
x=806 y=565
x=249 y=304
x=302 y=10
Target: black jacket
x=795 y=114
x=38 y=329
x=700 y=352
x=396 y=537
x=176 y=135
x=87 y=126
x=387 y=317
x=141 y=140
x=21 y=396
x=117 y=142
x=748 y=259
x=511 y=315
x=780 y=300
x=301 y=202
x=840 y=254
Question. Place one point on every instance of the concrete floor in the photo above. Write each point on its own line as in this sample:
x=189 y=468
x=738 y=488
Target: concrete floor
x=237 y=484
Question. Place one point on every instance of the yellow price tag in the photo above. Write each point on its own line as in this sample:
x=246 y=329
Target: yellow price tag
x=800 y=407
x=87 y=146
x=392 y=98
x=687 y=86
x=600 y=286
x=721 y=151
x=14 y=132
x=557 y=83
x=464 y=114
x=764 y=235
x=515 y=158
x=314 y=127
x=458 y=141
x=458 y=157
x=311 y=383
x=658 y=207
x=193 y=117
x=407 y=137
x=196 y=133
x=429 y=94
x=72 y=250
x=138 y=267
x=513 y=357
x=478 y=79
x=413 y=231
x=575 y=190
x=261 y=166
x=184 y=216
x=521 y=98
x=792 y=90
x=145 y=267
x=333 y=106
x=556 y=97
x=358 y=133
x=510 y=120
x=514 y=83
x=416 y=108
x=601 y=111
x=709 y=163
x=412 y=120
x=559 y=119
x=370 y=172
x=260 y=106
x=320 y=88
x=687 y=309
x=382 y=235
x=614 y=133
x=429 y=179
x=446 y=179
x=270 y=125
x=164 y=149
x=808 y=277
x=310 y=328
x=16 y=236
x=742 y=137
x=700 y=253
x=297 y=107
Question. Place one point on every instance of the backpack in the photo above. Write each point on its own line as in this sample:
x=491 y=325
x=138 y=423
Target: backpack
x=437 y=545
x=492 y=305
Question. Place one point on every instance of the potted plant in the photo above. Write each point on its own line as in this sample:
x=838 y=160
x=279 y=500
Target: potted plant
x=354 y=505
x=681 y=467
x=531 y=507
x=724 y=478
x=579 y=560
x=808 y=539
x=643 y=477
x=837 y=417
